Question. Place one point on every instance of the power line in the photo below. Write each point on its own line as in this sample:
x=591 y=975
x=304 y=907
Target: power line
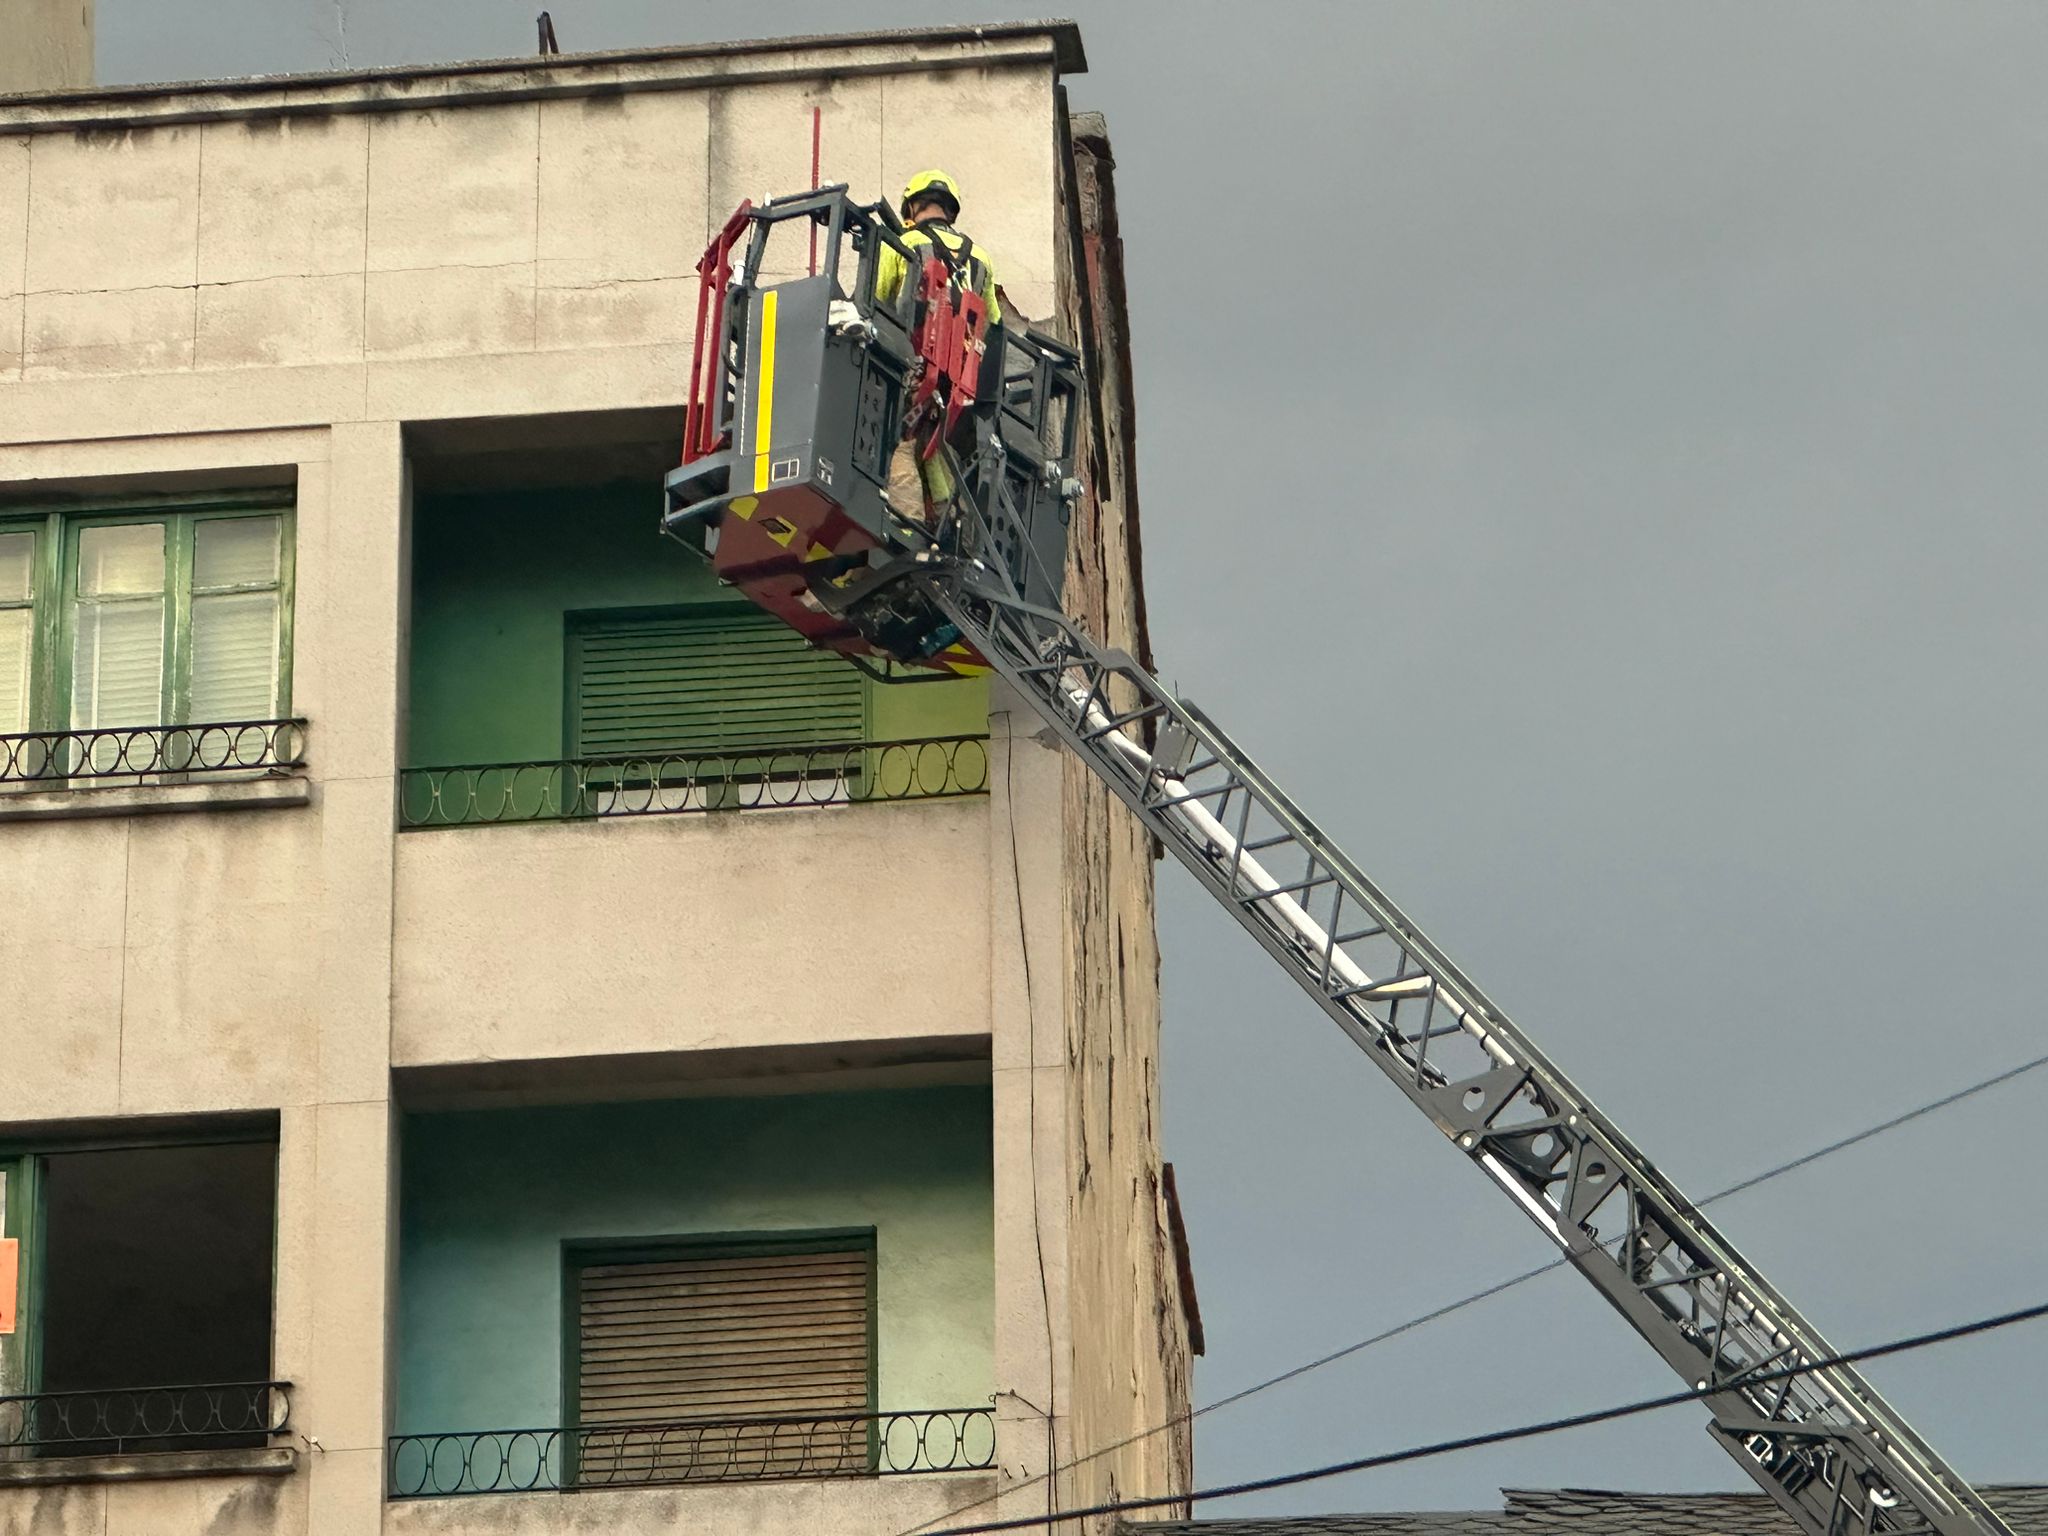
x=1497 y=1288
x=1520 y=1432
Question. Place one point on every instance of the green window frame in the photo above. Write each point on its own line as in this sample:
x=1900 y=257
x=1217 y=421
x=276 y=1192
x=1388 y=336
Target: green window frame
x=71 y=577
x=18 y=1207
x=585 y=1454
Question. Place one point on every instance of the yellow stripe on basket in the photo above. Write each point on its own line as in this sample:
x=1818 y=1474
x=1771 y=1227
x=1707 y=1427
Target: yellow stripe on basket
x=764 y=392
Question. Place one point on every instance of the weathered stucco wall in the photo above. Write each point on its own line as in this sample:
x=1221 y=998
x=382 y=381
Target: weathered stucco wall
x=872 y=1506
x=675 y=933
x=227 y=960
x=446 y=224
x=1123 y=1258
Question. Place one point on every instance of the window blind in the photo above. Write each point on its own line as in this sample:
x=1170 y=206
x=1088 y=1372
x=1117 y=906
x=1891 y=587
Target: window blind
x=719 y=682
x=724 y=1338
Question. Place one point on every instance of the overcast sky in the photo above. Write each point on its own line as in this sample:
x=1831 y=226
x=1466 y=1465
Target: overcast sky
x=1593 y=455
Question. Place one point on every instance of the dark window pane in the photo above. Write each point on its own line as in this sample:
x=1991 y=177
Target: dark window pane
x=156 y=1271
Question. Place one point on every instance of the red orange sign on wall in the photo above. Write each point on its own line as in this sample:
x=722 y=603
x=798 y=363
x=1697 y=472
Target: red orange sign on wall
x=10 y=1280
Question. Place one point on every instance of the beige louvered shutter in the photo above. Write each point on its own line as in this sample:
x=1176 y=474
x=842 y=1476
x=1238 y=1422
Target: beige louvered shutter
x=714 y=1340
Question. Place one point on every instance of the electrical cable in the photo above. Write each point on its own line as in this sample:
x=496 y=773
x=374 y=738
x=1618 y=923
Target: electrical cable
x=1519 y=1432
x=1050 y=1410
x=1497 y=1288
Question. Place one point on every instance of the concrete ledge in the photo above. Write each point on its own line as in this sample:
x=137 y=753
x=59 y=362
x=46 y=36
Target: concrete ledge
x=265 y=1461
x=154 y=799
x=414 y=88
x=840 y=1506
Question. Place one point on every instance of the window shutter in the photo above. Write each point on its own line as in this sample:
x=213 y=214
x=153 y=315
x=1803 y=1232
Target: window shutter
x=724 y=1338
x=680 y=682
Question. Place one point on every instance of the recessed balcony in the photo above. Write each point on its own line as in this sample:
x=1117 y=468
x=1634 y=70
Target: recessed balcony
x=679 y=1292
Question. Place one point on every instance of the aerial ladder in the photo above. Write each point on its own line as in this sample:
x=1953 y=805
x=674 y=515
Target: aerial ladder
x=801 y=389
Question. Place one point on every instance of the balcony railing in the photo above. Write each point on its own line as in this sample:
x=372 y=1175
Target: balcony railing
x=764 y=778
x=692 y=1451
x=142 y=1419
x=134 y=753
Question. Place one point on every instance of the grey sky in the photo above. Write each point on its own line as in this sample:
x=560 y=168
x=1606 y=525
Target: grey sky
x=1592 y=454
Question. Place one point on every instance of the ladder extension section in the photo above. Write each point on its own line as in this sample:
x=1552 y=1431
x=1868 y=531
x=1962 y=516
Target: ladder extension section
x=1823 y=1443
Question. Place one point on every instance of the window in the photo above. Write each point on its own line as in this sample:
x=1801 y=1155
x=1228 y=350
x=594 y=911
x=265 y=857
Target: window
x=722 y=1332
x=704 y=681
x=13 y=1193
x=147 y=616
x=140 y=1268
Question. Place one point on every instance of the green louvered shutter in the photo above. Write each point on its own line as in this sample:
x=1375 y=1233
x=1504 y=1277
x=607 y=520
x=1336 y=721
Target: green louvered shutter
x=717 y=681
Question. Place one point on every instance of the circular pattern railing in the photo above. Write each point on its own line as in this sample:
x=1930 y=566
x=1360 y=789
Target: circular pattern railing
x=58 y=758
x=692 y=1451
x=668 y=784
x=54 y=1423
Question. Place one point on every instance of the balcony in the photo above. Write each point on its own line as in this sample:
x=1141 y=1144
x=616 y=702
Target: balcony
x=624 y=788
x=725 y=1290
x=682 y=1451
x=569 y=661
x=801 y=777
x=145 y=1431
x=126 y=770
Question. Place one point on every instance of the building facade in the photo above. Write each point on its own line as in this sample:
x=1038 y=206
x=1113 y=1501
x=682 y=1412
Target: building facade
x=494 y=1035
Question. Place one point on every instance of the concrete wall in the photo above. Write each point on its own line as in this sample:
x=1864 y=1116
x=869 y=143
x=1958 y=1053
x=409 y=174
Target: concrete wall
x=48 y=44
x=239 y=959
x=855 y=923
x=490 y=1196
x=469 y=226
x=493 y=575
x=877 y=1506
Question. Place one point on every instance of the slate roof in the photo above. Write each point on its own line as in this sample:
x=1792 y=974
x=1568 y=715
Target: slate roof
x=1584 y=1512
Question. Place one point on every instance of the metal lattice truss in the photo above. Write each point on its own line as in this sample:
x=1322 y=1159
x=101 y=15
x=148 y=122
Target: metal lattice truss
x=1823 y=1443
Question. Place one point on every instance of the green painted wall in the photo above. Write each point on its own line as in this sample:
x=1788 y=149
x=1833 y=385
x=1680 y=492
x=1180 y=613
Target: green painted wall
x=493 y=576
x=489 y=1196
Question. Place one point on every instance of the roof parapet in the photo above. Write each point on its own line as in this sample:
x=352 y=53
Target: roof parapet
x=414 y=87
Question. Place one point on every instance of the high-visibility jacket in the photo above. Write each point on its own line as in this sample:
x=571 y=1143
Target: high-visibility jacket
x=978 y=276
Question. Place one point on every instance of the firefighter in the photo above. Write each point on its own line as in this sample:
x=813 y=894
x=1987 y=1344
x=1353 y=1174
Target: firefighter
x=931 y=202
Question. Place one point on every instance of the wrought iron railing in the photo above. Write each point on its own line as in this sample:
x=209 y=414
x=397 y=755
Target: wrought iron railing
x=141 y=1419
x=692 y=1451
x=762 y=778
x=55 y=759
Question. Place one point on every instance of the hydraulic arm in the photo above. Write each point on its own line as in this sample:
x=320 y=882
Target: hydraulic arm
x=982 y=585
x=1824 y=1443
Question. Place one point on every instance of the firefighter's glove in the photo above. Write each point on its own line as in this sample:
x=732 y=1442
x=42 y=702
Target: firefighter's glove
x=845 y=319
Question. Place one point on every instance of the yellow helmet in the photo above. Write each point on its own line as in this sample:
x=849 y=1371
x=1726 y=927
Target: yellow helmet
x=932 y=186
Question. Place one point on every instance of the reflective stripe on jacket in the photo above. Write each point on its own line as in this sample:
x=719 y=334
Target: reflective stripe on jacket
x=980 y=275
